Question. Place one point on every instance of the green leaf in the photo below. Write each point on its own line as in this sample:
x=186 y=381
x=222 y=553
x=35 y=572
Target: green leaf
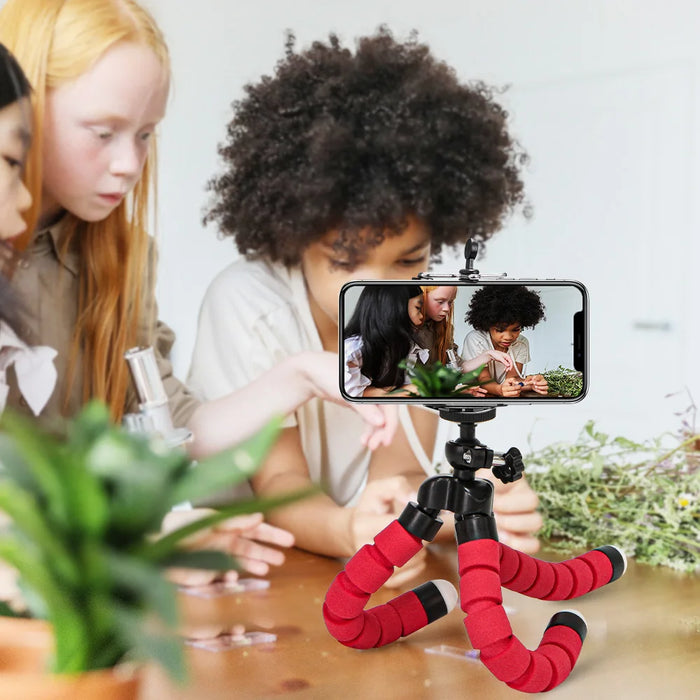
x=86 y=498
x=160 y=549
x=28 y=518
x=146 y=582
x=40 y=453
x=210 y=560
x=226 y=468
x=7 y=611
x=69 y=627
x=164 y=648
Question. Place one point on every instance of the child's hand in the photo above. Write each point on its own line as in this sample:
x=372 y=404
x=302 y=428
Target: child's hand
x=381 y=424
x=517 y=520
x=388 y=495
x=477 y=391
x=511 y=387
x=240 y=536
x=503 y=357
x=538 y=383
x=381 y=502
x=321 y=368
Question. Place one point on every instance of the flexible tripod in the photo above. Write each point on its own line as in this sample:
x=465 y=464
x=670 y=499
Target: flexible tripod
x=484 y=566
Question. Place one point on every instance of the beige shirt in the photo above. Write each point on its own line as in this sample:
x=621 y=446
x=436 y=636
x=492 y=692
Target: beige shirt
x=254 y=315
x=48 y=286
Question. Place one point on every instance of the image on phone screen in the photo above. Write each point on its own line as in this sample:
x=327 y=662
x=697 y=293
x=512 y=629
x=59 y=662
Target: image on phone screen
x=465 y=342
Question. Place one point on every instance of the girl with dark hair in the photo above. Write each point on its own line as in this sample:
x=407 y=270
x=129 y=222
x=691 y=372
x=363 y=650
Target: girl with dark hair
x=32 y=366
x=381 y=333
x=498 y=313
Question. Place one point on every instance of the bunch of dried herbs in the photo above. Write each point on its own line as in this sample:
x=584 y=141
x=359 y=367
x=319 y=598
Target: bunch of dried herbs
x=564 y=382
x=641 y=497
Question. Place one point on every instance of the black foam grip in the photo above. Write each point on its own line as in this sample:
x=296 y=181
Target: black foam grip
x=617 y=561
x=432 y=601
x=571 y=620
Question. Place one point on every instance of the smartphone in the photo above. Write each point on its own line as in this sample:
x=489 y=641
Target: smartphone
x=470 y=343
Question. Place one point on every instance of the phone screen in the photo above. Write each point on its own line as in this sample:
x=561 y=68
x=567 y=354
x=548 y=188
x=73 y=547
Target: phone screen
x=496 y=342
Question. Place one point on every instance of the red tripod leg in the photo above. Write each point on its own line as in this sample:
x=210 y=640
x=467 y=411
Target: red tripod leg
x=563 y=580
x=489 y=629
x=343 y=609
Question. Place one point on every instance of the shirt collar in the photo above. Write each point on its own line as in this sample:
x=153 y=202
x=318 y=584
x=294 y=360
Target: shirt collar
x=53 y=237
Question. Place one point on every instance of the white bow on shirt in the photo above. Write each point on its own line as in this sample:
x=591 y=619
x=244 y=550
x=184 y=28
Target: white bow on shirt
x=423 y=354
x=34 y=369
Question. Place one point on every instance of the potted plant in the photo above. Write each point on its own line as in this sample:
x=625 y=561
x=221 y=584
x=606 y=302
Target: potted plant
x=82 y=512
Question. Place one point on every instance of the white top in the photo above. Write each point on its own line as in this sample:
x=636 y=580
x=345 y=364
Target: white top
x=34 y=369
x=255 y=314
x=477 y=342
x=355 y=382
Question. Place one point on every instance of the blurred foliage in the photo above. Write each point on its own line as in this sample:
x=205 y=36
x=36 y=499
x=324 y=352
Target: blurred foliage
x=83 y=512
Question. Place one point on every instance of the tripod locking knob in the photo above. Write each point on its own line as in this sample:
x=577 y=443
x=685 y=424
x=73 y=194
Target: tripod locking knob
x=508 y=466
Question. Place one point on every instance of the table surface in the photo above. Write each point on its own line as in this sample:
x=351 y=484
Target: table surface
x=643 y=642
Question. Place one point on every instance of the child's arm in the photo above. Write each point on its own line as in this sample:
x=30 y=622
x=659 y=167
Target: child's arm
x=224 y=422
x=318 y=523
x=481 y=359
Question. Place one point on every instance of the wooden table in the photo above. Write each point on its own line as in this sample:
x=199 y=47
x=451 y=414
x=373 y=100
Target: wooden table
x=643 y=642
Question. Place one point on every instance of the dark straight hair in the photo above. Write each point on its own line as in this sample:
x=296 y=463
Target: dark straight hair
x=13 y=82
x=381 y=320
x=13 y=86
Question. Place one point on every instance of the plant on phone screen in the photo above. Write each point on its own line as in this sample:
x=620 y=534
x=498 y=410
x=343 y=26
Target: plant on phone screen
x=438 y=380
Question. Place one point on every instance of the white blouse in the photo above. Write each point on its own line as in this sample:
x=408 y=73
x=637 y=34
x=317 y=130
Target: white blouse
x=355 y=381
x=254 y=315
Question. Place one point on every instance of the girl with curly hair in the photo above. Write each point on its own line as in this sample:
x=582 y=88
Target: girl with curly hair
x=498 y=314
x=347 y=165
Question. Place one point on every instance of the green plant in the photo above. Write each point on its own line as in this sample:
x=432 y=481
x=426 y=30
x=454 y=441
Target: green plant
x=642 y=497
x=438 y=380
x=564 y=382
x=83 y=510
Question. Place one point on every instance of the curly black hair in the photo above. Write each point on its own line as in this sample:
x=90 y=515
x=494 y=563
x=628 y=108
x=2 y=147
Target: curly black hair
x=350 y=142
x=498 y=304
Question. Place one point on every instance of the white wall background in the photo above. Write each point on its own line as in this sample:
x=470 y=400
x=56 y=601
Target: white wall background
x=604 y=97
